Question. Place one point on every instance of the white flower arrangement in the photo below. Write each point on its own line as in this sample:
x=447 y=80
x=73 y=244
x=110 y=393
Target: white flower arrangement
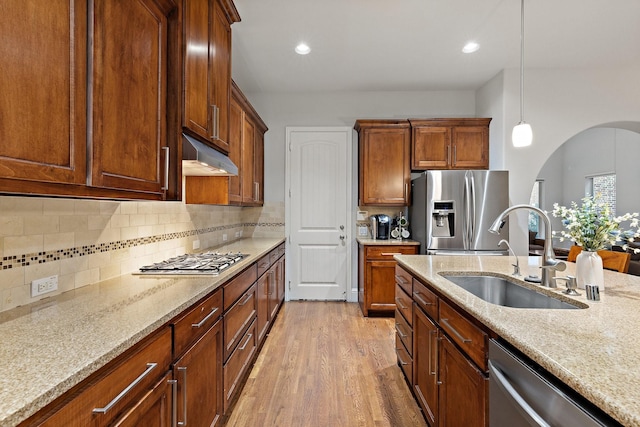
x=592 y=226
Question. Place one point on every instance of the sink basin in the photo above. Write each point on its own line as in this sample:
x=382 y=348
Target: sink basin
x=501 y=291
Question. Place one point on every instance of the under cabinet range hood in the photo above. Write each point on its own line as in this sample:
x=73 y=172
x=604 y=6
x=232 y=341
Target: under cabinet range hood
x=199 y=159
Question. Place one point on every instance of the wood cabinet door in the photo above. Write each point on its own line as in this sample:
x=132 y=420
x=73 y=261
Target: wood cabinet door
x=461 y=382
x=220 y=63
x=43 y=92
x=470 y=147
x=129 y=62
x=199 y=376
x=258 y=167
x=262 y=304
x=247 y=169
x=431 y=147
x=198 y=114
x=154 y=409
x=273 y=292
x=380 y=286
x=385 y=176
x=281 y=280
x=236 y=116
x=425 y=365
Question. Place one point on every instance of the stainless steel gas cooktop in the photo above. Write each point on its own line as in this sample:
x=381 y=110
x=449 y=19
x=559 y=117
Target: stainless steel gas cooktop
x=206 y=263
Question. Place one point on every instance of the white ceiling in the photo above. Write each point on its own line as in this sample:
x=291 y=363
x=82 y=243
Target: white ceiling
x=366 y=45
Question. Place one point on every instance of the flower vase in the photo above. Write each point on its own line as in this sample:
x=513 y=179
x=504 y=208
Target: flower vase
x=589 y=269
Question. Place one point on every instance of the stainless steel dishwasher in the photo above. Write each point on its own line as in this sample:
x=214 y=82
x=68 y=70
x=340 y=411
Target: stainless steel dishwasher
x=521 y=393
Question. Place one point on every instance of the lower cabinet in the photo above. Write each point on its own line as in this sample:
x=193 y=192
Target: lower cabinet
x=270 y=289
x=449 y=374
x=154 y=409
x=236 y=366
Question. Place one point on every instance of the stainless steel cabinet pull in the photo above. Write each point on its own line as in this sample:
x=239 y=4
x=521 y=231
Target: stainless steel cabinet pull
x=203 y=321
x=402 y=362
x=242 y=347
x=402 y=306
x=246 y=300
x=456 y=333
x=390 y=254
x=166 y=168
x=184 y=394
x=174 y=400
x=123 y=393
x=455 y=154
x=256 y=191
x=435 y=369
x=402 y=335
x=449 y=154
x=417 y=296
x=401 y=279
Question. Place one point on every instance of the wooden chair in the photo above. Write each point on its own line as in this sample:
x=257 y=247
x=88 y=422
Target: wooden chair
x=611 y=260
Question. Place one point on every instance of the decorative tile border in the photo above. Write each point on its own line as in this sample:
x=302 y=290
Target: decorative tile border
x=16 y=261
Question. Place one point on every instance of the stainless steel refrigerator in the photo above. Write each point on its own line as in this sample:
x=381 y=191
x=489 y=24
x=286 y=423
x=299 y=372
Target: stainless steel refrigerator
x=452 y=210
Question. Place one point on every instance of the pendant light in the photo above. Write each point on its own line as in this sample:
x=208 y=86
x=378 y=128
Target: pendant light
x=522 y=134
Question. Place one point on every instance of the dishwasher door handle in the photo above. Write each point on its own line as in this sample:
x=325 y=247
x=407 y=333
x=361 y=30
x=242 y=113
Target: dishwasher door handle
x=533 y=418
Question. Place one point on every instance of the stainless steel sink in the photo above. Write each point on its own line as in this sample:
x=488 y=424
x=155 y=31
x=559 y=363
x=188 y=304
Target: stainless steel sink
x=501 y=291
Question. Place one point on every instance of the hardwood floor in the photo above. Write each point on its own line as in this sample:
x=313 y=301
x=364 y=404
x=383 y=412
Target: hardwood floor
x=324 y=364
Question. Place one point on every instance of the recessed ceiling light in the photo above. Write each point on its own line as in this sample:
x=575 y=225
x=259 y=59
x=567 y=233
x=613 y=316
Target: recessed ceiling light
x=470 y=47
x=302 y=49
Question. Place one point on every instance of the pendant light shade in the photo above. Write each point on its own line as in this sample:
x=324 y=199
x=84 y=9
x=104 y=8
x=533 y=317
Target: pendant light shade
x=522 y=134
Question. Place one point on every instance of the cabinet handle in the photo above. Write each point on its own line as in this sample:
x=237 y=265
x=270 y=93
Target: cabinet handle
x=215 y=121
x=416 y=295
x=402 y=306
x=455 y=154
x=401 y=279
x=166 y=168
x=256 y=191
x=402 y=335
x=390 y=254
x=174 y=404
x=123 y=393
x=246 y=300
x=448 y=154
x=406 y=191
x=456 y=333
x=402 y=362
x=433 y=332
x=203 y=321
x=242 y=347
x=184 y=394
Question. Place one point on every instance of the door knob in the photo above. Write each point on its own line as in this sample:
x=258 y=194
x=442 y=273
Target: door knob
x=342 y=227
x=342 y=237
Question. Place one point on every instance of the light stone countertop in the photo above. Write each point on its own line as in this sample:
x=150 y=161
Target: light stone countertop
x=390 y=242
x=595 y=350
x=52 y=345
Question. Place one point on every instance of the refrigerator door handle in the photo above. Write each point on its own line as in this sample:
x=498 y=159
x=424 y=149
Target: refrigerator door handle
x=472 y=217
x=466 y=216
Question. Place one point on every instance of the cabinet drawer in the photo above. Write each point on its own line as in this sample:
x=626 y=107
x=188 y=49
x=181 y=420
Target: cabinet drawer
x=469 y=337
x=388 y=251
x=426 y=299
x=404 y=305
x=404 y=279
x=237 y=319
x=238 y=364
x=191 y=326
x=237 y=286
x=281 y=250
x=404 y=359
x=99 y=402
x=404 y=332
x=263 y=264
x=274 y=255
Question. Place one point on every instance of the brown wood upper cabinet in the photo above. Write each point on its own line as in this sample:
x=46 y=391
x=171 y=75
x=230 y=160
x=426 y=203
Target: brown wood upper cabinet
x=207 y=69
x=85 y=107
x=449 y=144
x=385 y=175
x=246 y=150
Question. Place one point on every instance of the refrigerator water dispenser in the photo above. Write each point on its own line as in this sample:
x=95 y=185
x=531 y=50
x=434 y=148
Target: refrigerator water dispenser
x=443 y=218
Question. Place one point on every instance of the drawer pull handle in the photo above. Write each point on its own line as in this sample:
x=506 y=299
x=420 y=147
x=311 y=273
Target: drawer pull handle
x=456 y=333
x=123 y=393
x=401 y=279
x=417 y=296
x=390 y=253
x=246 y=300
x=203 y=321
x=174 y=402
x=402 y=306
x=184 y=394
x=242 y=347
x=435 y=333
x=402 y=335
x=402 y=362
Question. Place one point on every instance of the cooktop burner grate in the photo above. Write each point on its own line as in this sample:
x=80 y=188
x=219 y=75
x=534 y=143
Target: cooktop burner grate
x=210 y=263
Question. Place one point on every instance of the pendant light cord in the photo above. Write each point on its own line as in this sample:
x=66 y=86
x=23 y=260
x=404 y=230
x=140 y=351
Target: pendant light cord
x=521 y=61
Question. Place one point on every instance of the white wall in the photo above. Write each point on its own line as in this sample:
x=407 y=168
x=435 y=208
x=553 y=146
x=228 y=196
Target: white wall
x=279 y=110
x=558 y=104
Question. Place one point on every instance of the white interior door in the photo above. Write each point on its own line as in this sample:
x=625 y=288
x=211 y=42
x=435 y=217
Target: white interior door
x=317 y=212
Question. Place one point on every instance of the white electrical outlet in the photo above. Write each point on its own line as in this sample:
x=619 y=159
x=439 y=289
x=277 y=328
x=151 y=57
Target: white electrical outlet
x=224 y=237
x=237 y=234
x=363 y=230
x=196 y=244
x=44 y=285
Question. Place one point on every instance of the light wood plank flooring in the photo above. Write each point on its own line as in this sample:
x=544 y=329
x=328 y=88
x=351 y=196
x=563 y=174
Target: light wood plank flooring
x=324 y=364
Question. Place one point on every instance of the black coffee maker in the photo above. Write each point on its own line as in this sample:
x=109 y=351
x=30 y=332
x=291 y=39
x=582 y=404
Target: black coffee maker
x=380 y=227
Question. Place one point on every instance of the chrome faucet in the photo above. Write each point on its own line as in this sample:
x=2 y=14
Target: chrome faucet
x=516 y=266
x=549 y=264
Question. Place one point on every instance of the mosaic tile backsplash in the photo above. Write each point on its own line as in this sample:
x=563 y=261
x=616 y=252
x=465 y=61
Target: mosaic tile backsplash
x=86 y=241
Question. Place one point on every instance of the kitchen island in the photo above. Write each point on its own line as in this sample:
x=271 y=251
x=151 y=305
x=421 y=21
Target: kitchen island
x=594 y=350
x=50 y=346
